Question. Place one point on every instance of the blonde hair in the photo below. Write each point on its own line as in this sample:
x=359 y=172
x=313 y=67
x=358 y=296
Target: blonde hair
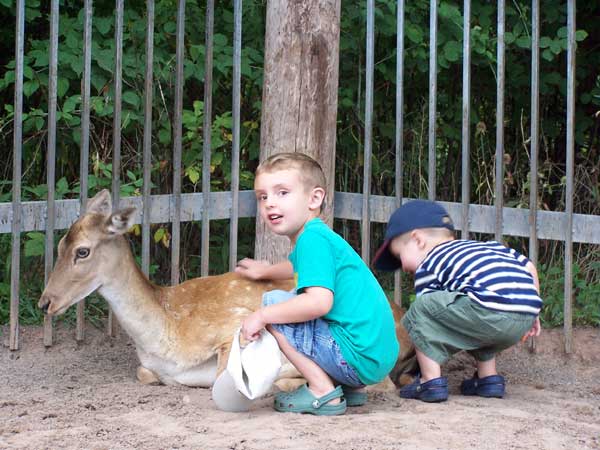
x=310 y=171
x=431 y=232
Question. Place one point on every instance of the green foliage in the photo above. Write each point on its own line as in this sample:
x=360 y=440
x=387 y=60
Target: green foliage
x=351 y=100
x=586 y=304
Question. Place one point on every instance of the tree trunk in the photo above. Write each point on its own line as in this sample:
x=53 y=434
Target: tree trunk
x=299 y=104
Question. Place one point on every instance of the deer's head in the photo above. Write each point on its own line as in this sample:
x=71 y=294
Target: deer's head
x=87 y=254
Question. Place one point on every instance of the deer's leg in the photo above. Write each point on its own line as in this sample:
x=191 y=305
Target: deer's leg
x=289 y=384
x=222 y=357
x=146 y=376
x=289 y=378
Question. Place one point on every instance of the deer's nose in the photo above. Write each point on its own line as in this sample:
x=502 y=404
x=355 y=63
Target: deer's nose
x=45 y=301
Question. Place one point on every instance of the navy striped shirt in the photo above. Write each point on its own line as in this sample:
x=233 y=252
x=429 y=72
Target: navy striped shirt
x=488 y=272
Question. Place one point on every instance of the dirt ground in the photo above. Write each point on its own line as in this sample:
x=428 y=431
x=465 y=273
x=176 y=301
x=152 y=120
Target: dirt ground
x=85 y=396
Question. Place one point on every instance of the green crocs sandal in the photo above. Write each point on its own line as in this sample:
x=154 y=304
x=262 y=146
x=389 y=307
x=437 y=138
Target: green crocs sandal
x=303 y=401
x=354 y=397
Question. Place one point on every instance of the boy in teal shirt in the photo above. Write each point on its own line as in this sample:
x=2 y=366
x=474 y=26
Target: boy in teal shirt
x=337 y=329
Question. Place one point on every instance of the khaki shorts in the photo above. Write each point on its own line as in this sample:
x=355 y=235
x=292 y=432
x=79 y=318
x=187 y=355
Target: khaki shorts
x=443 y=323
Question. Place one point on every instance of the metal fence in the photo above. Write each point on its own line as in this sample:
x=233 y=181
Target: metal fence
x=51 y=215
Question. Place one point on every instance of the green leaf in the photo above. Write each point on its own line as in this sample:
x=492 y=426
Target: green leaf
x=62 y=187
x=98 y=80
x=76 y=64
x=70 y=103
x=452 y=51
x=38 y=192
x=523 y=41
x=545 y=42
x=76 y=135
x=547 y=55
x=170 y=27
x=164 y=135
x=414 y=33
x=62 y=86
x=40 y=58
x=555 y=47
x=103 y=24
x=39 y=123
x=97 y=105
x=73 y=41
x=9 y=77
x=159 y=234
x=196 y=52
x=217 y=159
x=219 y=40
x=29 y=87
x=35 y=244
x=562 y=32
x=132 y=98
x=32 y=12
x=105 y=59
x=193 y=174
x=580 y=35
x=28 y=72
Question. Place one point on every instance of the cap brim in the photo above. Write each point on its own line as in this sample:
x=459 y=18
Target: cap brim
x=384 y=260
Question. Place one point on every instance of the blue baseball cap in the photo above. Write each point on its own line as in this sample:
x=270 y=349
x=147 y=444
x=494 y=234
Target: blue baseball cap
x=410 y=216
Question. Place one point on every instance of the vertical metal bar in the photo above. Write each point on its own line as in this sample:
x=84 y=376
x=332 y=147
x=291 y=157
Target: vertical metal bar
x=51 y=158
x=146 y=199
x=235 y=150
x=500 y=122
x=118 y=74
x=466 y=120
x=535 y=118
x=208 y=69
x=369 y=71
x=176 y=196
x=432 y=99
x=568 y=293
x=534 y=150
x=16 y=198
x=85 y=138
x=116 y=160
x=399 y=127
x=85 y=113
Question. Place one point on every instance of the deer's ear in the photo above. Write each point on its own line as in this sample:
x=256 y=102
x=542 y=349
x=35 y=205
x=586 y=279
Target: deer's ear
x=121 y=221
x=100 y=203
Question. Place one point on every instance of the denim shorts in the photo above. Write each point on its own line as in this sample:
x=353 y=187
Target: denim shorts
x=314 y=340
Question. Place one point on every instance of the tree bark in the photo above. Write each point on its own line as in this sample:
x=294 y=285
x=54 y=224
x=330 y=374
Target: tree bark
x=299 y=104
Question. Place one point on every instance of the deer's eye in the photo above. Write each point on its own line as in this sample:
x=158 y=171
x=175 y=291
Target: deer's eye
x=82 y=252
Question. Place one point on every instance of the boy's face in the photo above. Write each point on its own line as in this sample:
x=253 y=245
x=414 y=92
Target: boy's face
x=406 y=248
x=285 y=204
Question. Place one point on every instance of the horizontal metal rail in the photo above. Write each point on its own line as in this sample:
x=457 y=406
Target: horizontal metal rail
x=551 y=224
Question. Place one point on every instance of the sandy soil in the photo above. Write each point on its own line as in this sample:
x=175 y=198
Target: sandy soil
x=85 y=396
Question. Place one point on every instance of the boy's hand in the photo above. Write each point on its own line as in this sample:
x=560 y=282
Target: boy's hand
x=252 y=269
x=252 y=325
x=535 y=330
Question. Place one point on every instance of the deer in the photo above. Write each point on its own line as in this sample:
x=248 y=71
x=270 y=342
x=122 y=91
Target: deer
x=182 y=333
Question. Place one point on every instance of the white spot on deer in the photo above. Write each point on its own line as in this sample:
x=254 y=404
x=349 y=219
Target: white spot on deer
x=240 y=311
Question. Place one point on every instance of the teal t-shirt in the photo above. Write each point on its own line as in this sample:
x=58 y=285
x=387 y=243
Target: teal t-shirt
x=361 y=319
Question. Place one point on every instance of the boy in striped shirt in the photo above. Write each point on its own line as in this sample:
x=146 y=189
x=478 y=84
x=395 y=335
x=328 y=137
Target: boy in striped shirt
x=481 y=297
